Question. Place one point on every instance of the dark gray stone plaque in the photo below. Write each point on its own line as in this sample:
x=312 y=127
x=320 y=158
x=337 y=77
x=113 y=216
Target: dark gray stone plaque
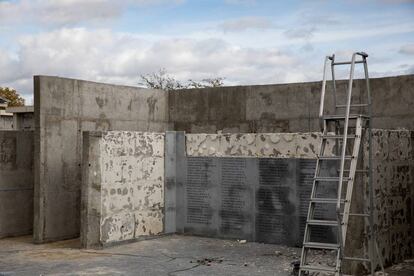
x=236 y=208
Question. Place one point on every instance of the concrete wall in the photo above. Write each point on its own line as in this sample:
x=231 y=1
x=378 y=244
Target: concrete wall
x=393 y=181
x=122 y=187
x=277 y=145
x=23 y=117
x=16 y=183
x=289 y=107
x=244 y=186
x=23 y=121
x=6 y=122
x=64 y=108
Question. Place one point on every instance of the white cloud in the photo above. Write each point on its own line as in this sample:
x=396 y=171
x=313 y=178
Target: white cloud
x=247 y=50
x=407 y=49
x=67 y=12
x=246 y=23
x=102 y=55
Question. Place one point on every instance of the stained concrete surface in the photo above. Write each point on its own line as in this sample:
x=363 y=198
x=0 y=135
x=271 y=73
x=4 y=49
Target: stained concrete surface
x=168 y=255
x=16 y=183
x=123 y=186
x=393 y=185
x=64 y=108
x=292 y=107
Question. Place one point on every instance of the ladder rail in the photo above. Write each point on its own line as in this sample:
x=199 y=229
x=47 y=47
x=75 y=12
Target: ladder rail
x=321 y=107
x=333 y=80
x=372 y=242
x=371 y=198
x=344 y=143
x=351 y=181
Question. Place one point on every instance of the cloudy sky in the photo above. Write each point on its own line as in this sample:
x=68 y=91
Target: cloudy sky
x=244 y=41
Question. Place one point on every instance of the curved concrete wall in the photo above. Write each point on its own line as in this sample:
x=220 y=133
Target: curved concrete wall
x=291 y=107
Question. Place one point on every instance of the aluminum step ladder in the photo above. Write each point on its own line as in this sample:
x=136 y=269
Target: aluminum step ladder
x=346 y=137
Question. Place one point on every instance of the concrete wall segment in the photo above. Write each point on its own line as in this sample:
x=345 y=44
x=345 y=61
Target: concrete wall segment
x=130 y=199
x=63 y=109
x=16 y=183
x=292 y=107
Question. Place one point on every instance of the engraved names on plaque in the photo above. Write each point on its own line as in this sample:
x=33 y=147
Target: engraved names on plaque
x=235 y=197
x=198 y=190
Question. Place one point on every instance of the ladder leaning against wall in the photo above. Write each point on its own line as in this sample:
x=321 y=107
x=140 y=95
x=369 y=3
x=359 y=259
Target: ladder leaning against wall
x=344 y=131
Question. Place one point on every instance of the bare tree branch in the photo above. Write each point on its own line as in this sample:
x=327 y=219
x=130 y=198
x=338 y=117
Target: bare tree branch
x=162 y=80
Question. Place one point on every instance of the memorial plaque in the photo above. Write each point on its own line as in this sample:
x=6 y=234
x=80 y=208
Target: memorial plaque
x=199 y=190
x=236 y=195
x=259 y=199
x=306 y=173
x=276 y=201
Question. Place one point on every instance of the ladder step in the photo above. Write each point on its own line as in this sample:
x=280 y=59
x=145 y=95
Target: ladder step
x=347 y=62
x=347 y=157
x=352 y=105
x=338 y=136
x=331 y=179
x=326 y=200
x=356 y=215
x=320 y=245
x=357 y=171
x=317 y=268
x=342 y=117
x=357 y=259
x=322 y=222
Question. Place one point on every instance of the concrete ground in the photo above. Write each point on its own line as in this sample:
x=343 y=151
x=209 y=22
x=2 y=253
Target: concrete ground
x=168 y=255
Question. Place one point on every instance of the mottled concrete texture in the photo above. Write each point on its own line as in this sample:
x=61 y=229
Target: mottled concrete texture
x=393 y=181
x=275 y=145
x=123 y=186
x=292 y=107
x=16 y=183
x=64 y=108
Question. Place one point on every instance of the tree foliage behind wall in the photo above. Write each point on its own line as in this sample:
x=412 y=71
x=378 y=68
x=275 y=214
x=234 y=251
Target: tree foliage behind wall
x=162 y=80
x=11 y=95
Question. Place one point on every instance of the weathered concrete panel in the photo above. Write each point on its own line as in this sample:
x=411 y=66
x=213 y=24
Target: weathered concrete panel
x=393 y=183
x=123 y=186
x=292 y=107
x=16 y=183
x=6 y=122
x=64 y=108
x=277 y=145
x=175 y=157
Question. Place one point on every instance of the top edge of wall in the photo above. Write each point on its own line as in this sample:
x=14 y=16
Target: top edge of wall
x=96 y=82
x=289 y=83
